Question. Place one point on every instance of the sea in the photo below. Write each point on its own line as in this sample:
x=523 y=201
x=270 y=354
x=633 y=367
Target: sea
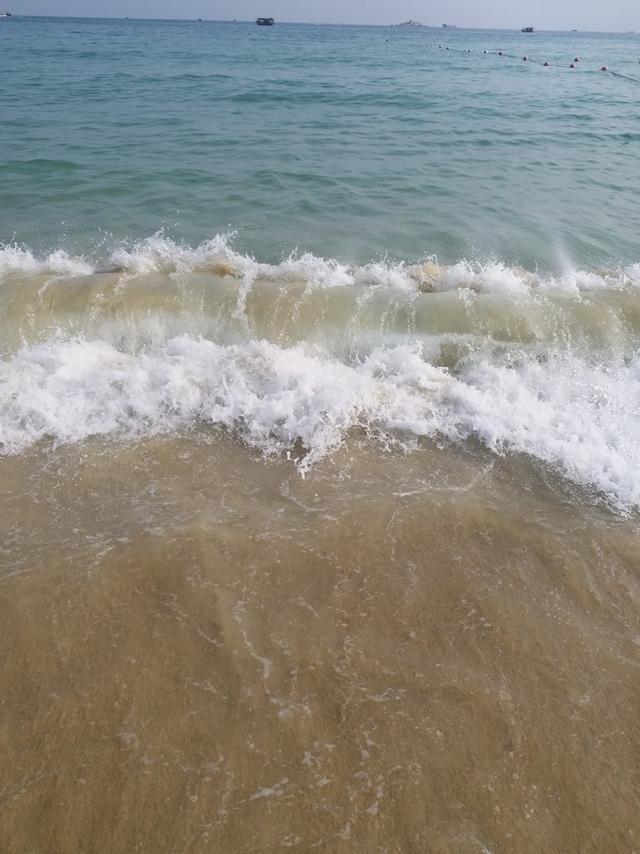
x=319 y=438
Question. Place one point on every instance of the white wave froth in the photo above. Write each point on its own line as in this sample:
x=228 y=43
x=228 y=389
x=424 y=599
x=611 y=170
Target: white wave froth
x=16 y=260
x=581 y=417
x=272 y=396
x=160 y=254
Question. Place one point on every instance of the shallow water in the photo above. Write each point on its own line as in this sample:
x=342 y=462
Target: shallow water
x=292 y=357
x=320 y=532
x=311 y=556
x=403 y=653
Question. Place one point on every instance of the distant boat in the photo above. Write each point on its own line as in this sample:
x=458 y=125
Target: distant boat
x=265 y=22
x=5 y=14
x=527 y=30
x=410 y=23
x=449 y=27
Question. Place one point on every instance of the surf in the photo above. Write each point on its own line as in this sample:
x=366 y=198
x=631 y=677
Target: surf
x=292 y=357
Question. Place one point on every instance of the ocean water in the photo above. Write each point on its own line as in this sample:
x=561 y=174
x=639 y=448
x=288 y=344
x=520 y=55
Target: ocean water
x=348 y=142
x=319 y=438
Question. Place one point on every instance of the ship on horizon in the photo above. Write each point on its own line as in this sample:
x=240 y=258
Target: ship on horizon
x=265 y=22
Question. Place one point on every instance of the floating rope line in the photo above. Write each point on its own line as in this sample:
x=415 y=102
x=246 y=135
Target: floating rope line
x=572 y=65
x=624 y=76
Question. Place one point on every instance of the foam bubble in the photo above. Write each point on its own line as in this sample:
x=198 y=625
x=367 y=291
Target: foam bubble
x=16 y=260
x=274 y=397
x=569 y=411
x=576 y=413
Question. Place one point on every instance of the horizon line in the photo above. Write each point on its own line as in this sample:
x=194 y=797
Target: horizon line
x=437 y=27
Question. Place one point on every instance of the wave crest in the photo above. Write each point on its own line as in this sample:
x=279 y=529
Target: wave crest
x=160 y=254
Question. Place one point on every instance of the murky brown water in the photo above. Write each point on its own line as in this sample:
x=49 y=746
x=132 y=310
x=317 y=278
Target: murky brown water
x=202 y=651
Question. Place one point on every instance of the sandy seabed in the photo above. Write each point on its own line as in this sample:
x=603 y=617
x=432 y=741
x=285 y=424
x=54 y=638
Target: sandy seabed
x=203 y=651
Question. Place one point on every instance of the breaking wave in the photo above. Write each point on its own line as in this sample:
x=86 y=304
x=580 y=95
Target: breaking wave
x=160 y=254
x=295 y=355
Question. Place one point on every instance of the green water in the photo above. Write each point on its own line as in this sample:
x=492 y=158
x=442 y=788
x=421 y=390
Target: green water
x=350 y=142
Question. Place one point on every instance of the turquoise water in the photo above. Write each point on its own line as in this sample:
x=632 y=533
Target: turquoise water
x=350 y=142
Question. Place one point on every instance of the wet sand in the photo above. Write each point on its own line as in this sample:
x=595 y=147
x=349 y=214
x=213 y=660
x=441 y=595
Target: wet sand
x=203 y=651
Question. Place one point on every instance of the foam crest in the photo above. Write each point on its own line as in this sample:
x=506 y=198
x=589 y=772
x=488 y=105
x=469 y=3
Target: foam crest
x=273 y=397
x=576 y=414
x=495 y=277
x=161 y=254
x=492 y=277
x=16 y=260
x=571 y=412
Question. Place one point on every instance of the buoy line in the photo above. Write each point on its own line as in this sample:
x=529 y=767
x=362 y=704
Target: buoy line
x=575 y=64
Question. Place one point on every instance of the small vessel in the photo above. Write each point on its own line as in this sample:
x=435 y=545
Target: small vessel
x=449 y=27
x=527 y=30
x=5 y=14
x=265 y=22
x=409 y=23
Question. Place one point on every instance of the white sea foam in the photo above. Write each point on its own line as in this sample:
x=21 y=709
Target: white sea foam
x=17 y=260
x=580 y=416
x=160 y=254
x=575 y=414
x=272 y=396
